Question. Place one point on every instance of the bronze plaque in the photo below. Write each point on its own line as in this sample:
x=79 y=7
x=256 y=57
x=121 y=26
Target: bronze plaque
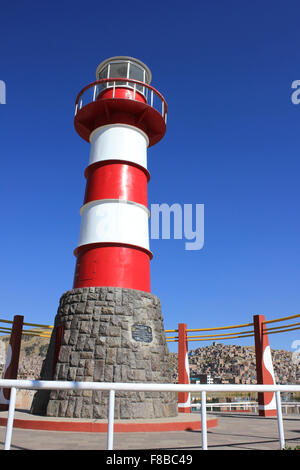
x=142 y=333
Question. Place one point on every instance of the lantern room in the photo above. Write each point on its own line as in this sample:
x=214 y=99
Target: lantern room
x=122 y=67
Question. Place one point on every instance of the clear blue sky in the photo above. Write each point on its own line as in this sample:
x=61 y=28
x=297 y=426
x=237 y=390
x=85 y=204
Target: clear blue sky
x=232 y=144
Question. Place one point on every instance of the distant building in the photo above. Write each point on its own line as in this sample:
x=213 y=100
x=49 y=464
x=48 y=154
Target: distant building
x=202 y=379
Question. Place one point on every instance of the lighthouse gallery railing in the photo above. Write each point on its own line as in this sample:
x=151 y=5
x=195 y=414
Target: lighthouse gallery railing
x=153 y=98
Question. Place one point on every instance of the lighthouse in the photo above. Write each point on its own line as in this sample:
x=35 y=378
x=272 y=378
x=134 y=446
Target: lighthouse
x=117 y=116
x=109 y=326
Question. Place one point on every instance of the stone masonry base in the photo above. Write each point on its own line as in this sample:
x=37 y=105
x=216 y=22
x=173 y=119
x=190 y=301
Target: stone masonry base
x=109 y=335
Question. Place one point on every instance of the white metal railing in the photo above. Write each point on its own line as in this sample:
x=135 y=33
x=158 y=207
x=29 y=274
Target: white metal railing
x=153 y=97
x=287 y=405
x=244 y=405
x=112 y=387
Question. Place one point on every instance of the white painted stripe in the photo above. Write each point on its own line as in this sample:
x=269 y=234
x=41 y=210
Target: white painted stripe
x=267 y=361
x=268 y=364
x=187 y=404
x=112 y=222
x=117 y=201
x=269 y=406
x=119 y=142
x=186 y=364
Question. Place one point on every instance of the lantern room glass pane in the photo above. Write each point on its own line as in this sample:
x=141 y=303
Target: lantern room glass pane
x=118 y=70
x=103 y=73
x=137 y=73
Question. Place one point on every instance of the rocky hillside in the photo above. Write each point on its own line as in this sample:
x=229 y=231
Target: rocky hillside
x=236 y=364
x=33 y=352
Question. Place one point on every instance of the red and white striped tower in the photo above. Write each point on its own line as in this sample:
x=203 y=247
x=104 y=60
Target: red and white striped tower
x=110 y=312
x=118 y=115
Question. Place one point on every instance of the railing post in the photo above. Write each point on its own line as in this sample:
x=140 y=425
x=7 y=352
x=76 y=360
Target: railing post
x=10 y=418
x=95 y=91
x=280 y=421
x=12 y=359
x=184 y=398
x=203 y=421
x=110 y=426
x=264 y=367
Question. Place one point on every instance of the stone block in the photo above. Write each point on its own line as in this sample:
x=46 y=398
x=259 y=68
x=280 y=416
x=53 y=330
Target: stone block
x=89 y=368
x=53 y=408
x=80 y=308
x=108 y=373
x=99 y=412
x=74 y=358
x=111 y=356
x=113 y=342
x=64 y=354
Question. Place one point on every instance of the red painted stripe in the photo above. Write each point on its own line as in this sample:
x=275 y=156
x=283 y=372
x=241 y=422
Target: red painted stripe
x=267 y=412
x=116 y=181
x=77 y=426
x=112 y=265
x=185 y=409
x=11 y=371
x=109 y=162
x=122 y=92
x=183 y=377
